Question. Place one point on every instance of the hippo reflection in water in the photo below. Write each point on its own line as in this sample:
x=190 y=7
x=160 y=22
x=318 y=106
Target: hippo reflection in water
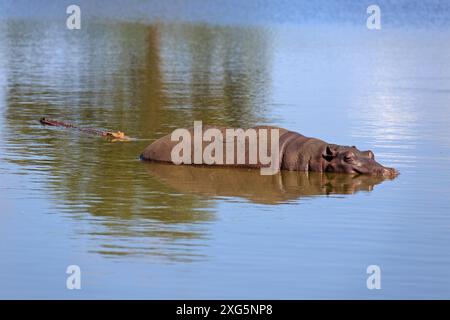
x=296 y=153
x=249 y=184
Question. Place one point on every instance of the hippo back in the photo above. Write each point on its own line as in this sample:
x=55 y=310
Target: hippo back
x=161 y=149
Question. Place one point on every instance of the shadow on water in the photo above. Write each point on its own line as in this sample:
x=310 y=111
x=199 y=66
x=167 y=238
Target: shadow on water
x=284 y=187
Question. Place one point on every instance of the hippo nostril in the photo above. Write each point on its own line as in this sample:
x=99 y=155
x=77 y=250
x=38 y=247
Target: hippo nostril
x=394 y=172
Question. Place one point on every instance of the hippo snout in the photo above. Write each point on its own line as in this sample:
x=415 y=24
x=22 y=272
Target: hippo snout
x=388 y=172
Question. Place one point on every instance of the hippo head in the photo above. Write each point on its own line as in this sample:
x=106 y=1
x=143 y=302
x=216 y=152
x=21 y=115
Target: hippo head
x=345 y=159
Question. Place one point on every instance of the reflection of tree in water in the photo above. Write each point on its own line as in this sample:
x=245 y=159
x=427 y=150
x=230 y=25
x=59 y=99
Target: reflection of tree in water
x=126 y=77
x=221 y=74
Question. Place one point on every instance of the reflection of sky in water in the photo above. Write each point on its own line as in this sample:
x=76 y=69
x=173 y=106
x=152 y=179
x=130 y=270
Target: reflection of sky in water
x=263 y=12
x=380 y=82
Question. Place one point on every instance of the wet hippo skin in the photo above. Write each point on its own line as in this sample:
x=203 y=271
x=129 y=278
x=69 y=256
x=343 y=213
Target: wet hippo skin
x=297 y=153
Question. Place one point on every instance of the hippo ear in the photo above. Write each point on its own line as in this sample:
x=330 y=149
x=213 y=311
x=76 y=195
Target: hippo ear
x=368 y=154
x=329 y=153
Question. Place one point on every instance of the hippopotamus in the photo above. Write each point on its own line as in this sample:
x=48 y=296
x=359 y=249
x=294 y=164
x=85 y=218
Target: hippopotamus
x=296 y=153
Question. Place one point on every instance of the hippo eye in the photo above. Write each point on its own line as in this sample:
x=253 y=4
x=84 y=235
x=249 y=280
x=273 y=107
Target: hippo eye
x=349 y=157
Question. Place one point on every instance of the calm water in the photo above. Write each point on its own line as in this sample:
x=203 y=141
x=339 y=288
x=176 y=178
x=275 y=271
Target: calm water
x=155 y=231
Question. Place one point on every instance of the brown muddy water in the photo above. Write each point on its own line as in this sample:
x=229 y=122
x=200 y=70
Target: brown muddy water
x=141 y=230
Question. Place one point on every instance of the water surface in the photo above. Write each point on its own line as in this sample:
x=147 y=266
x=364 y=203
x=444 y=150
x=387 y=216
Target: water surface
x=153 y=231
